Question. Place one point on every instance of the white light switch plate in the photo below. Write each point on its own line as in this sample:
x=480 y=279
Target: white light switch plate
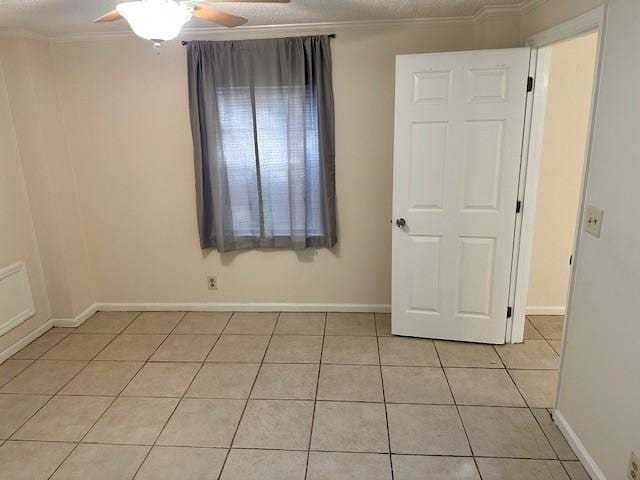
x=593 y=221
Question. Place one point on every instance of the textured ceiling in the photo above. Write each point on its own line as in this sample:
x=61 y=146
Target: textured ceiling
x=73 y=16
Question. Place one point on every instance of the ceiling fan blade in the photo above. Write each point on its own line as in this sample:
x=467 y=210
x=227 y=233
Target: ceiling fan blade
x=216 y=16
x=112 y=16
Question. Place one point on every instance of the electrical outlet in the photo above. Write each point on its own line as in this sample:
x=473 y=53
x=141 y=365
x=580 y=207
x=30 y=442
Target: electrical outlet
x=212 y=283
x=593 y=221
x=634 y=468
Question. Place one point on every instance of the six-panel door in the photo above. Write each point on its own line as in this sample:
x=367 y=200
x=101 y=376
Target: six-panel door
x=459 y=121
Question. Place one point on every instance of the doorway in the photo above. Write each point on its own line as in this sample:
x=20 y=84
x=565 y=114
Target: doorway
x=571 y=66
x=448 y=276
x=567 y=134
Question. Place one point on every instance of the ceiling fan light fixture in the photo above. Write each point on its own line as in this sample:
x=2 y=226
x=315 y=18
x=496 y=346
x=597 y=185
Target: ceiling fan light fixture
x=156 y=20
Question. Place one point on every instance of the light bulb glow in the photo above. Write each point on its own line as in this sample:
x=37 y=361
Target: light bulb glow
x=155 y=19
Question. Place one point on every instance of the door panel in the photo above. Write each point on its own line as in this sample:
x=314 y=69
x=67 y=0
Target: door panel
x=475 y=275
x=428 y=141
x=458 y=138
x=483 y=164
x=424 y=287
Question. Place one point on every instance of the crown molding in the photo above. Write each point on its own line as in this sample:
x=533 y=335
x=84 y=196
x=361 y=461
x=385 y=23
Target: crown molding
x=498 y=11
x=21 y=34
x=261 y=31
x=257 y=31
x=528 y=5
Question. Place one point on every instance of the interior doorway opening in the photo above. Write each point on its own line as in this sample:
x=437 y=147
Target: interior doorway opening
x=570 y=65
x=580 y=78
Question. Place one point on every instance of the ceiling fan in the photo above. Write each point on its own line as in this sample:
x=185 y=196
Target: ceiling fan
x=160 y=20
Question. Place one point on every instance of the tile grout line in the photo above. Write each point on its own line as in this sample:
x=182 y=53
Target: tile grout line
x=495 y=350
x=527 y=319
x=543 y=337
x=43 y=353
x=155 y=441
x=55 y=394
x=547 y=436
x=184 y=314
x=384 y=398
x=455 y=402
x=366 y=402
x=271 y=449
x=284 y=363
x=116 y=397
x=113 y=400
x=202 y=363
x=528 y=406
x=315 y=400
x=20 y=371
x=246 y=403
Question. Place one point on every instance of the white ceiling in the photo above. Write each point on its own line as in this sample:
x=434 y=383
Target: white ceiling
x=74 y=16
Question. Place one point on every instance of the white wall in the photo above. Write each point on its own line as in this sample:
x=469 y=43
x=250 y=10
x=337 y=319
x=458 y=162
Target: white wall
x=600 y=375
x=45 y=228
x=42 y=141
x=129 y=146
x=563 y=148
x=128 y=127
x=497 y=31
x=544 y=14
x=17 y=234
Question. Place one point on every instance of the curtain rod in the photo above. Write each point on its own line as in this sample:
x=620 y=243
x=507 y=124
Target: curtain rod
x=184 y=42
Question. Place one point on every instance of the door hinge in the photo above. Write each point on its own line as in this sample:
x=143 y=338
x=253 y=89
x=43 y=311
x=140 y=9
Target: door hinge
x=518 y=206
x=530 y=84
x=509 y=312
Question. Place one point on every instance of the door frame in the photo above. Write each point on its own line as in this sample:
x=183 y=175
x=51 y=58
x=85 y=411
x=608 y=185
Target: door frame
x=589 y=22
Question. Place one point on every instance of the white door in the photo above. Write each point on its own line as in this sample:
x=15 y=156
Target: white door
x=459 y=121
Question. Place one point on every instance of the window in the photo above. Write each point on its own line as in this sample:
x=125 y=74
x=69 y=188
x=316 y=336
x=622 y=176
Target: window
x=263 y=129
x=286 y=133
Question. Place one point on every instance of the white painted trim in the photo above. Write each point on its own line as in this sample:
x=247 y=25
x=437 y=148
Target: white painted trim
x=529 y=5
x=26 y=340
x=261 y=31
x=601 y=29
x=585 y=23
x=581 y=25
x=579 y=449
x=77 y=320
x=265 y=31
x=528 y=192
x=557 y=310
x=594 y=20
x=19 y=268
x=514 y=332
x=246 y=307
x=19 y=33
x=498 y=11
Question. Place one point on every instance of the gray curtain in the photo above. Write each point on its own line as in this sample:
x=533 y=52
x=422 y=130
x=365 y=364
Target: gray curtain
x=263 y=133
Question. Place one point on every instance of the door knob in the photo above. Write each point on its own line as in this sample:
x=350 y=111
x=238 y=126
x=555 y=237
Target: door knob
x=401 y=222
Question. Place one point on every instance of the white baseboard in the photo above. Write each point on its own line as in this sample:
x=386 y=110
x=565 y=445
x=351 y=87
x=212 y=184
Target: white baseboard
x=52 y=322
x=77 y=320
x=246 y=307
x=579 y=449
x=557 y=310
x=24 y=341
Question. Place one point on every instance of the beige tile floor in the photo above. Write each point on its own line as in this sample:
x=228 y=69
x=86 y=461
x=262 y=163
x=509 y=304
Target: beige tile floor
x=288 y=396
